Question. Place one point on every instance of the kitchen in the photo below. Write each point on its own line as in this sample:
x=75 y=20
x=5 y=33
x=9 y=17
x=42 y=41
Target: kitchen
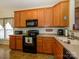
x=45 y=30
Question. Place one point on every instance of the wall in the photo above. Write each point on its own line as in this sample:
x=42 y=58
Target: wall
x=9 y=12
x=6 y=12
x=72 y=14
x=41 y=30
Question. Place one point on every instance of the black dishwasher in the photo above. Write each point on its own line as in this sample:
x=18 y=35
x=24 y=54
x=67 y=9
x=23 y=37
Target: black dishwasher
x=67 y=54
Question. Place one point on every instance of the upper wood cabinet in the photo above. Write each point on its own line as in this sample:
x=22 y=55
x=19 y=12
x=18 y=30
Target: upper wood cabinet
x=41 y=17
x=45 y=17
x=65 y=13
x=49 y=17
x=61 y=14
x=57 y=15
x=17 y=19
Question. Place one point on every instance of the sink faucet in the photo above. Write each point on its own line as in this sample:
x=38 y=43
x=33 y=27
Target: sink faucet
x=71 y=35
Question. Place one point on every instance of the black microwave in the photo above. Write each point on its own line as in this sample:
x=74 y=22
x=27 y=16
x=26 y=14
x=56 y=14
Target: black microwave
x=32 y=23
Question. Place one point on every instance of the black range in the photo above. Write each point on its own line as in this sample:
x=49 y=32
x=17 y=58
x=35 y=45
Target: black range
x=29 y=42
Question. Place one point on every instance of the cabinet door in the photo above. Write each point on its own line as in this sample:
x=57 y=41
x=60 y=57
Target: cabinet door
x=65 y=13
x=34 y=14
x=47 y=45
x=17 y=19
x=61 y=14
x=59 y=50
x=56 y=15
x=12 y=42
x=48 y=17
x=41 y=17
x=19 y=42
x=24 y=17
x=39 y=45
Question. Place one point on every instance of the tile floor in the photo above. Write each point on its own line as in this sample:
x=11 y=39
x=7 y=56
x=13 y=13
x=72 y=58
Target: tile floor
x=6 y=53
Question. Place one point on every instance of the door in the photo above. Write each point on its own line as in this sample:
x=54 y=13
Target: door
x=58 y=50
x=17 y=19
x=56 y=15
x=39 y=45
x=41 y=17
x=47 y=45
x=65 y=13
x=19 y=42
x=48 y=17
x=12 y=42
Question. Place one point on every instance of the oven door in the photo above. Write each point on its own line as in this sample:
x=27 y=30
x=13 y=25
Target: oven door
x=29 y=44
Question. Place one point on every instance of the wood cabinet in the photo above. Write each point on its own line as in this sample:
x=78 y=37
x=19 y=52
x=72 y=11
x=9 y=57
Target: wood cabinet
x=41 y=17
x=50 y=45
x=17 y=19
x=49 y=17
x=15 y=42
x=57 y=15
x=39 y=45
x=12 y=42
x=45 y=45
x=45 y=17
x=58 y=50
x=61 y=14
x=19 y=42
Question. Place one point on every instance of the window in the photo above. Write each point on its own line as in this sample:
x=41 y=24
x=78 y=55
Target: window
x=6 y=28
x=1 y=32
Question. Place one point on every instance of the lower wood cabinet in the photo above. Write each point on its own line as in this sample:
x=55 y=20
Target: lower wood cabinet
x=58 y=50
x=15 y=42
x=50 y=45
x=12 y=42
x=45 y=45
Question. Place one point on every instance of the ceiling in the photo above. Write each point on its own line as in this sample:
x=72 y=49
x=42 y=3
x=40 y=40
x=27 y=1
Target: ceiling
x=25 y=3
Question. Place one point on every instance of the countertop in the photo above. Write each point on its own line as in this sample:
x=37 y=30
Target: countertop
x=74 y=49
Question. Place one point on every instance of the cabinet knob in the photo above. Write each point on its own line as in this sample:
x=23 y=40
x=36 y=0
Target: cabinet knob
x=65 y=17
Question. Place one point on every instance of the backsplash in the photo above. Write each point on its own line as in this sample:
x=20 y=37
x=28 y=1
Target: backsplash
x=41 y=30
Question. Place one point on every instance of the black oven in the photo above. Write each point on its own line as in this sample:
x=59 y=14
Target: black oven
x=31 y=23
x=29 y=42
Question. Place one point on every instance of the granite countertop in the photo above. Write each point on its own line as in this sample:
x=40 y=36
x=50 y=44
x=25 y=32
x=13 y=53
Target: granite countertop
x=74 y=49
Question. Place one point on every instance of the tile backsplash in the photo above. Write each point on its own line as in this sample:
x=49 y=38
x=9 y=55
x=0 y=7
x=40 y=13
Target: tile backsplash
x=41 y=30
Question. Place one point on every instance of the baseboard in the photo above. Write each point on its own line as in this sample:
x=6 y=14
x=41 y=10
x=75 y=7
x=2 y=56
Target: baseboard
x=5 y=42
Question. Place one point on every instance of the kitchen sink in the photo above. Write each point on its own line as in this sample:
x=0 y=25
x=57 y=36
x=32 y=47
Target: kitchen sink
x=74 y=42
x=71 y=41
